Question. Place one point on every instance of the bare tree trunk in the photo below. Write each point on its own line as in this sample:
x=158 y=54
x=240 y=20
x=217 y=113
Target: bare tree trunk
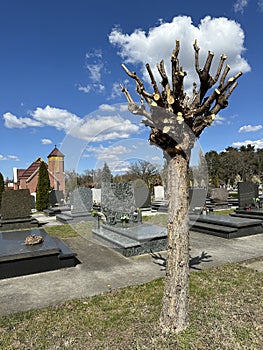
x=176 y=120
x=174 y=312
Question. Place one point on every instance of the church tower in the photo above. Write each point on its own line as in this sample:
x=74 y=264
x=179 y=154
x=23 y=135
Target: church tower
x=56 y=170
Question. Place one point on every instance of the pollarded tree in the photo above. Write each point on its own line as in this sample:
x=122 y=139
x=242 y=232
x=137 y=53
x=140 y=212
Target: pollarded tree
x=175 y=121
x=43 y=188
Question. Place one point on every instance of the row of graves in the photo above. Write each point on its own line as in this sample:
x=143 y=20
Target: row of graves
x=247 y=219
x=199 y=198
x=25 y=247
x=116 y=211
x=119 y=221
x=85 y=201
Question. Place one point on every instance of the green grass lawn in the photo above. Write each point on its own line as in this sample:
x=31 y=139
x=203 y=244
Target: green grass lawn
x=70 y=230
x=224 y=211
x=226 y=312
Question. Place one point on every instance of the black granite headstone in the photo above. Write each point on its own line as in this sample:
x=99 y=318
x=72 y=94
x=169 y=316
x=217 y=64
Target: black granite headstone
x=56 y=197
x=16 y=204
x=247 y=193
x=197 y=198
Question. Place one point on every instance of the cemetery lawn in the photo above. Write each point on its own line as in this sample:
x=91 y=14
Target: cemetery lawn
x=72 y=230
x=226 y=312
x=224 y=211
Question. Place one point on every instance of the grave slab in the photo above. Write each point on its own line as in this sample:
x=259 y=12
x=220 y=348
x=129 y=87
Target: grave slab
x=225 y=226
x=135 y=240
x=18 y=259
x=251 y=213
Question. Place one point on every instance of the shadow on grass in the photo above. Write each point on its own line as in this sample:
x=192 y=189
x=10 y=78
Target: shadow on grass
x=193 y=261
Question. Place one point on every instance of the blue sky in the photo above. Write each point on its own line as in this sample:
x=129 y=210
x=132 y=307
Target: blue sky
x=60 y=70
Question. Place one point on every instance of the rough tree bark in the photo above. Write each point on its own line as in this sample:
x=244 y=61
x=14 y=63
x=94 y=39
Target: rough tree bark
x=175 y=121
x=175 y=297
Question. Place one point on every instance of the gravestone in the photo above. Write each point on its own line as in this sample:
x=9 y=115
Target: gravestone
x=159 y=203
x=247 y=192
x=158 y=193
x=96 y=195
x=16 y=204
x=81 y=205
x=118 y=198
x=81 y=200
x=133 y=237
x=56 y=197
x=248 y=201
x=197 y=199
x=16 y=210
x=219 y=195
x=142 y=195
x=218 y=198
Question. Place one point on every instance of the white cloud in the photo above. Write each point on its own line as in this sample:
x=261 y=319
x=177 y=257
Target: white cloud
x=216 y=34
x=2 y=157
x=95 y=71
x=115 y=91
x=219 y=120
x=250 y=128
x=61 y=119
x=91 y=88
x=94 y=54
x=106 y=107
x=260 y=5
x=240 y=5
x=112 y=155
x=95 y=68
x=86 y=89
x=9 y=157
x=257 y=143
x=108 y=123
x=111 y=152
x=12 y=157
x=104 y=128
x=11 y=121
x=156 y=159
x=94 y=64
x=46 y=141
x=124 y=108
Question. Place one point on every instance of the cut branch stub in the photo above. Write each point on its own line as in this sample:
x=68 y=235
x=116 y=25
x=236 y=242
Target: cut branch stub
x=184 y=117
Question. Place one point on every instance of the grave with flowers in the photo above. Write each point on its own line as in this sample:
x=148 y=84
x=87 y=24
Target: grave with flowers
x=119 y=224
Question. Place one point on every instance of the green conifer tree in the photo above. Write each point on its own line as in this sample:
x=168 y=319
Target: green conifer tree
x=106 y=175
x=43 y=188
x=2 y=187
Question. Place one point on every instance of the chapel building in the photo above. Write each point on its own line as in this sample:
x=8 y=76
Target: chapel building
x=28 y=178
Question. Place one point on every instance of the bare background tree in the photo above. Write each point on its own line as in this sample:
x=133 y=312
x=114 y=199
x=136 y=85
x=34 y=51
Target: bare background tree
x=175 y=121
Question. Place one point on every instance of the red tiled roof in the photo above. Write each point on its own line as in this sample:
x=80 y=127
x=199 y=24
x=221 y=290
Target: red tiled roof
x=56 y=152
x=26 y=173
